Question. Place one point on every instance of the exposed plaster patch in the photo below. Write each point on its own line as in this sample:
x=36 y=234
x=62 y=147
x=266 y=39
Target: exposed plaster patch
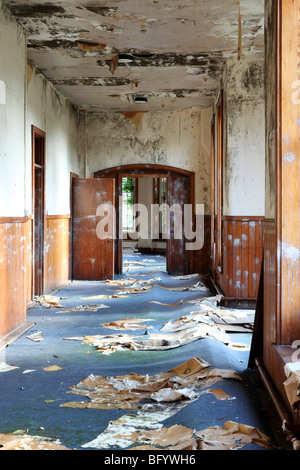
x=90 y=47
x=92 y=81
x=291 y=252
x=103 y=11
x=36 y=10
x=136 y=118
x=289 y=157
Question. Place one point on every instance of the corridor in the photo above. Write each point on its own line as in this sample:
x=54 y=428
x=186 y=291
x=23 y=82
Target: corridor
x=58 y=352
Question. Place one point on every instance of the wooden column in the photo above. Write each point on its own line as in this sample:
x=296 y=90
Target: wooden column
x=288 y=171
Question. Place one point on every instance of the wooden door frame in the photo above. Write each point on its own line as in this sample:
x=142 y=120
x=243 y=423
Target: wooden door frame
x=142 y=170
x=72 y=176
x=37 y=133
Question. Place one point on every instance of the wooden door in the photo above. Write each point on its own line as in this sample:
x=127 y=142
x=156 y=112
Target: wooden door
x=38 y=195
x=93 y=256
x=178 y=194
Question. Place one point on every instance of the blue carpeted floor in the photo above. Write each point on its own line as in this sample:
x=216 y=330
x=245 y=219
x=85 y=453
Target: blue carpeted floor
x=31 y=400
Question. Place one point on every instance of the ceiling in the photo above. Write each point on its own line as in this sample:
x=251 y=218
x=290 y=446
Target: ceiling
x=178 y=47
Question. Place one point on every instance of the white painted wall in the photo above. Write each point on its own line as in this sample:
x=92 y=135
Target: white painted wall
x=244 y=139
x=12 y=73
x=31 y=100
x=50 y=112
x=180 y=139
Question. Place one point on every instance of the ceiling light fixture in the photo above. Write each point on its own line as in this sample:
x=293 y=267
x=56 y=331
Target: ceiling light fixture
x=141 y=99
x=143 y=27
x=125 y=58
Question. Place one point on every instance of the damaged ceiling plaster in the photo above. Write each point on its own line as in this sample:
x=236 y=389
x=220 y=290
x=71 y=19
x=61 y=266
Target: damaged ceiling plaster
x=178 y=49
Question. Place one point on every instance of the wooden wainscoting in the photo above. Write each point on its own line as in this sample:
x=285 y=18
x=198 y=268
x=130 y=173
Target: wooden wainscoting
x=57 y=251
x=15 y=272
x=202 y=256
x=241 y=254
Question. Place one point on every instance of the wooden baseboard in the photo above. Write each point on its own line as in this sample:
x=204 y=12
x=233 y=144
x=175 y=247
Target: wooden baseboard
x=15 y=334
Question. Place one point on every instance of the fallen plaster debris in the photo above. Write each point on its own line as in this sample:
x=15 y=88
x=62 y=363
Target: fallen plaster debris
x=198 y=287
x=154 y=399
x=37 y=337
x=84 y=308
x=230 y=436
x=292 y=383
x=52 y=368
x=150 y=393
x=222 y=315
x=17 y=441
x=143 y=433
x=186 y=276
x=6 y=367
x=180 y=335
x=99 y=297
x=132 y=282
x=127 y=324
x=48 y=301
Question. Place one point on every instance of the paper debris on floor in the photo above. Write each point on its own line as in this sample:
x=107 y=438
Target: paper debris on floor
x=6 y=367
x=138 y=392
x=99 y=297
x=134 y=290
x=292 y=383
x=26 y=442
x=231 y=435
x=48 y=301
x=185 y=276
x=127 y=324
x=37 y=336
x=226 y=314
x=52 y=368
x=178 y=334
x=83 y=308
x=198 y=287
x=143 y=433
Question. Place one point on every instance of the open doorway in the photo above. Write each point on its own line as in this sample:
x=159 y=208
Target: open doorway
x=179 y=191
x=38 y=204
x=143 y=235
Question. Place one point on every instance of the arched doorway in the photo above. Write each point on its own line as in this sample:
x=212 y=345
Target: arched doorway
x=180 y=192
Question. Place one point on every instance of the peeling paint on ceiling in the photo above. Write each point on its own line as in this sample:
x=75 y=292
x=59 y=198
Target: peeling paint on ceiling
x=178 y=48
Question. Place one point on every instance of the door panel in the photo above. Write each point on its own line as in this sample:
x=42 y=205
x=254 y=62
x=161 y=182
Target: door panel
x=178 y=193
x=93 y=257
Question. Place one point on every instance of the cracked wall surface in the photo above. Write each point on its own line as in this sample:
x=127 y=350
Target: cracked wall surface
x=179 y=50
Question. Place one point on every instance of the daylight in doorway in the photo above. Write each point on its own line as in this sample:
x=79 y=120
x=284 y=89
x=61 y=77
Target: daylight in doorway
x=177 y=221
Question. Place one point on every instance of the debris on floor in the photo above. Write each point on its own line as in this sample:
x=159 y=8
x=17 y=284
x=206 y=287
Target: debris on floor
x=83 y=308
x=138 y=391
x=6 y=367
x=292 y=383
x=230 y=436
x=174 y=334
x=37 y=336
x=48 y=301
x=127 y=324
x=100 y=297
x=52 y=368
x=17 y=441
x=198 y=287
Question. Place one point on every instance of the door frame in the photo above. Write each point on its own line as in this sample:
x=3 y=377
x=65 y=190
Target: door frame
x=38 y=135
x=143 y=170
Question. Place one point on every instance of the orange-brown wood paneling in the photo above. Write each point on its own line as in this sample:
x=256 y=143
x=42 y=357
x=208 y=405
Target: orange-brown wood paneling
x=241 y=256
x=28 y=261
x=270 y=320
x=57 y=251
x=13 y=273
x=281 y=235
